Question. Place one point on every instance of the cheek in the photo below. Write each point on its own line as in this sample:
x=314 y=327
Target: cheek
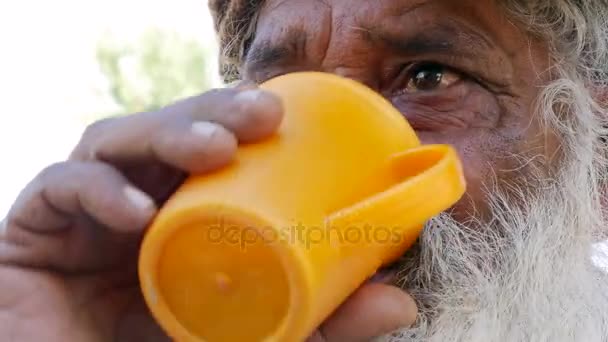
x=472 y=120
x=486 y=155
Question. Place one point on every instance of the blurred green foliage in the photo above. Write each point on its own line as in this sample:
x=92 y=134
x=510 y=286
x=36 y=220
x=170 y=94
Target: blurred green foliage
x=157 y=69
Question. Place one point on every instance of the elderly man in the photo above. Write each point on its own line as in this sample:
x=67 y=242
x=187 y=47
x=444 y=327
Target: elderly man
x=519 y=87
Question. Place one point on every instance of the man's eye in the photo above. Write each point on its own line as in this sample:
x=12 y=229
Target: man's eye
x=428 y=77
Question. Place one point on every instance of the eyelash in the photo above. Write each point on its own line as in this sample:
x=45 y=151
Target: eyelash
x=406 y=72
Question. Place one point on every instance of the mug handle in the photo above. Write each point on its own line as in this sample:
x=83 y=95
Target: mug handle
x=426 y=181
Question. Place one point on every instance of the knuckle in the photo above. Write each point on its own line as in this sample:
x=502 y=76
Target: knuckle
x=28 y=201
x=96 y=129
x=51 y=171
x=212 y=100
x=74 y=171
x=85 y=149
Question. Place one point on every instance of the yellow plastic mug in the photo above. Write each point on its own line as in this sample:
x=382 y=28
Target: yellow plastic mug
x=267 y=248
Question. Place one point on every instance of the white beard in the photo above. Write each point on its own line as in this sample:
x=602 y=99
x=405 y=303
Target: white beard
x=525 y=276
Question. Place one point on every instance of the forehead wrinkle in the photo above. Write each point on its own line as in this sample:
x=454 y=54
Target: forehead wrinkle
x=271 y=5
x=401 y=10
x=441 y=37
x=468 y=34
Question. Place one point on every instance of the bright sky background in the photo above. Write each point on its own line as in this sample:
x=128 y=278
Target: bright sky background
x=49 y=79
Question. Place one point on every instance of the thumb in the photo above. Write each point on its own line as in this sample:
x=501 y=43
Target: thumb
x=372 y=311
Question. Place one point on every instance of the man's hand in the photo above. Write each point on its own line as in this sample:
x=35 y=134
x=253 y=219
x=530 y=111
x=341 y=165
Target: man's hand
x=69 y=246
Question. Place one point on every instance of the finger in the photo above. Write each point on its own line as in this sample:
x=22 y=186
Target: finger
x=372 y=311
x=190 y=146
x=66 y=190
x=53 y=223
x=249 y=112
x=194 y=135
x=242 y=85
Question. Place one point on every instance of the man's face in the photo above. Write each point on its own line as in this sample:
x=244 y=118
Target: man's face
x=463 y=73
x=459 y=71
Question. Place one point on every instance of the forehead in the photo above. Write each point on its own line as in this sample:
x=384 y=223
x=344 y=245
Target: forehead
x=355 y=32
x=334 y=23
x=346 y=15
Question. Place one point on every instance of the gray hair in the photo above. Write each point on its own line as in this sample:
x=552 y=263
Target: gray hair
x=512 y=278
x=574 y=104
x=577 y=35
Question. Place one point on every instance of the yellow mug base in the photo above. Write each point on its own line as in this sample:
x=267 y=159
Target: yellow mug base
x=210 y=271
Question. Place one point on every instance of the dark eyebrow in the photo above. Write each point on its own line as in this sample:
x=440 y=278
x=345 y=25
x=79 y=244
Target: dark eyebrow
x=447 y=38
x=441 y=38
x=268 y=53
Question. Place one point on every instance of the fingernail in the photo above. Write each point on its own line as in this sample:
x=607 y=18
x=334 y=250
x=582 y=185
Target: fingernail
x=249 y=96
x=205 y=129
x=138 y=198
